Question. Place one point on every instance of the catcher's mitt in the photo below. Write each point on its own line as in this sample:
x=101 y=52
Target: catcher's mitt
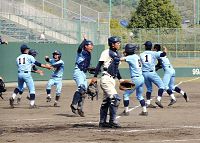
x=92 y=90
x=126 y=85
x=91 y=70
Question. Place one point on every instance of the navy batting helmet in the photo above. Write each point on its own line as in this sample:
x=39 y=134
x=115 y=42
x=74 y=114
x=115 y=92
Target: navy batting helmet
x=56 y=52
x=88 y=42
x=157 y=47
x=23 y=48
x=130 y=49
x=33 y=52
x=113 y=40
x=148 y=45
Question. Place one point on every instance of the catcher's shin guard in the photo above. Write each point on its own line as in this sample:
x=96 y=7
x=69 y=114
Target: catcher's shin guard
x=113 y=113
x=76 y=98
x=104 y=110
x=115 y=101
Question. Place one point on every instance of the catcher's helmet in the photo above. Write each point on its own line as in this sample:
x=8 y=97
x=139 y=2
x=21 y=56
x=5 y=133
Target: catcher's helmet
x=113 y=40
x=148 y=45
x=56 y=52
x=23 y=48
x=88 y=42
x=33 y=52
x=157 y=47
x=130 y=49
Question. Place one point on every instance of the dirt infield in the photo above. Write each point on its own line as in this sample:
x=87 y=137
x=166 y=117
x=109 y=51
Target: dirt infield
x=48 y=124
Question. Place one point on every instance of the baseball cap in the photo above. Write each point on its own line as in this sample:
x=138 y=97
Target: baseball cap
x=148 y=44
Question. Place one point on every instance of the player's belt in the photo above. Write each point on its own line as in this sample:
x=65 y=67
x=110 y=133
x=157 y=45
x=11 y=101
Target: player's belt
x=148 y=71
x=135 y=76
x=108 y=75
x=22 y=71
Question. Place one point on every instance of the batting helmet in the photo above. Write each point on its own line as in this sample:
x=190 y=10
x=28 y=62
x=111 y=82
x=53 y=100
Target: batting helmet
x=157 y=47
x=148 y=45
x=23 y=48
x=57 y=53
x=113 y=40
x=130 y=49
x=88 y=42
x=33 y=52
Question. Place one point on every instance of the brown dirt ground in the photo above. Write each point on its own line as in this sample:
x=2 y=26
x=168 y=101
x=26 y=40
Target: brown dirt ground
x=48 y=124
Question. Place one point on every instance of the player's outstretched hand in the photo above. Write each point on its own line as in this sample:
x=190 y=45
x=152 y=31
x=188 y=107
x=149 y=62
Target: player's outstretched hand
x=40 y=72
x=48 y=66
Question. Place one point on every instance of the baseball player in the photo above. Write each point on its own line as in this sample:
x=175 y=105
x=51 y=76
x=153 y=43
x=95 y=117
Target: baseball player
x=110 y=60
x=149 y=58
x=24 y=64
x=34 y=53
x=169 y=77
x=56 y=77
x=82 y=63
x=135 y=68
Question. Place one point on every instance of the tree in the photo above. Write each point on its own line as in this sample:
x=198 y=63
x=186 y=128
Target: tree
x=155 y=14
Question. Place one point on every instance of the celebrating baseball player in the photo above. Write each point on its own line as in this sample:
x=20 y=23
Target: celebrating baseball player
x=135 y=68
x=81 y=66
x=110 y=60
x=24 y=64
x=169 y=77
x=149 y=58
x=56 y=77
x=34 y=69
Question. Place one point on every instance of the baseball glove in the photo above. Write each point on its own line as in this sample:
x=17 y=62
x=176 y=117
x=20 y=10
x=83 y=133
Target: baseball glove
x=92 y=90
x=2 y=88
x=126 y=85
x=91 y=70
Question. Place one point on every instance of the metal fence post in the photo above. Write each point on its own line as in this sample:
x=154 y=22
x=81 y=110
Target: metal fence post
x=176 y=41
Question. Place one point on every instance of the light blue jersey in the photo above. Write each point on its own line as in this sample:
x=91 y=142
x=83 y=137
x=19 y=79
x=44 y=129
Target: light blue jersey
x=135 y=65
x=25 y=62
x=58 y=72
x=149 y=59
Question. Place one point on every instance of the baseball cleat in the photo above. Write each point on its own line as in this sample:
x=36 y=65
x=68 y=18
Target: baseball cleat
x=48 y=99
x=11 y=102
x=172 y=102
x=81 y=113
x=143 y=113
x=124 y=113
x=150 y=106
x=186 y=97
x=159 y=104
x=73 y=109
x=104 y=125
x=114 y=125
x=18 y=100
x=33 y=107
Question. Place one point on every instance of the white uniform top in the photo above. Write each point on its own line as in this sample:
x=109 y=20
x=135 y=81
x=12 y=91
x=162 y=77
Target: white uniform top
x=105 y=58
x=25 y=62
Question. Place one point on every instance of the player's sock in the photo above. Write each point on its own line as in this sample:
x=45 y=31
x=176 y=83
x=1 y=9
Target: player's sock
x=32 y=102
x=14 y=95
x=159 y=98
x=182 y=92
x=144 y=109
x=126 y=109
x=148 y=102
x=173 y=97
